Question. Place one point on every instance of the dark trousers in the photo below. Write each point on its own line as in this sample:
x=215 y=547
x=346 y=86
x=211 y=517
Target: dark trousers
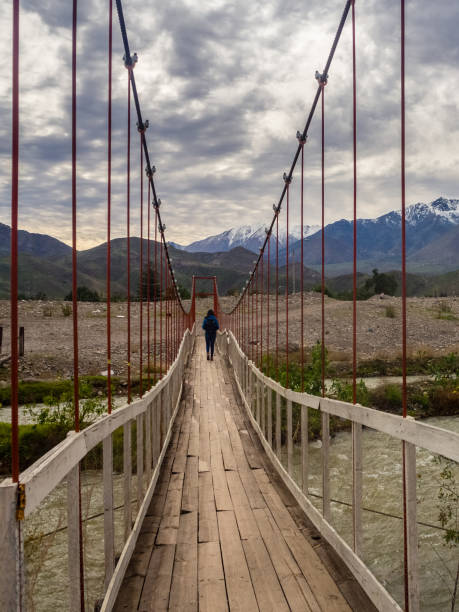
x=210 y=342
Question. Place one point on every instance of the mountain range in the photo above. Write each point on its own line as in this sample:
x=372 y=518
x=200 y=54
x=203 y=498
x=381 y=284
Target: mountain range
x=432 y=232
x=432 y=240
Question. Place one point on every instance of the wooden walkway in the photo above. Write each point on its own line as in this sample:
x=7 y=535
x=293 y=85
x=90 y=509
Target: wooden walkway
x=222 y=531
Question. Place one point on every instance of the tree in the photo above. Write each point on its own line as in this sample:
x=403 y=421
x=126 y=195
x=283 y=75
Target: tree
x=184 y=293
x=381 y=283
x=154 y=285
x=84 y=294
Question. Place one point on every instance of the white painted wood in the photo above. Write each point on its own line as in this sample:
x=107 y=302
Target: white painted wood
x=325 y=466
x=412 y=530
x=278 y=426
x=140 y=459
x=270 y=416
x=375 y=591
x=11 y=558
x=357 y=488
x=258 y=384
x=127 y=477
x=289 y=438
x=148 y=444
x=121 y=567
x=263 y=408
x=304 y=450
x=109 y=526
x=73 y=537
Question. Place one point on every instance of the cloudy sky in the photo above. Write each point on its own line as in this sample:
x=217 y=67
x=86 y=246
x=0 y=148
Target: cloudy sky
x=225 y=86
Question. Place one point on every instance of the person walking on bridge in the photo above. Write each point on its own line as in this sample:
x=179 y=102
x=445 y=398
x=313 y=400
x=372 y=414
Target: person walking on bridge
x=210 y=326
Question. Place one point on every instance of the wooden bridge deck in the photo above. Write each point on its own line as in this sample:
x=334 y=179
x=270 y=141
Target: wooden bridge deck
x=222 y=532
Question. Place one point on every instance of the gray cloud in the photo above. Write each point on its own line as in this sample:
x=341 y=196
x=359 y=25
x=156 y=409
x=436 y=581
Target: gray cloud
x=225 y=87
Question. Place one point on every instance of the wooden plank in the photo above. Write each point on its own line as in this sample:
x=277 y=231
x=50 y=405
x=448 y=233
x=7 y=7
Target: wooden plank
x=264 y=579
x=227 y=451
x=239 y=587
x=244 y=515
x=184 y=588
x=208 y=529
x=168 y=528
x=252 y=454
x=221 y=492
x=211 y=580
x=156 y=589
x=283 y=562
x=190 y=486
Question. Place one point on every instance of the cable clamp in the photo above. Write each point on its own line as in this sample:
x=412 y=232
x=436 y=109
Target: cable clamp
x=130 y=62
x=301 y=139
x=149 y=172
x=161 y=228
x=142 y=127
x=268 y=231
x=157 y=203
x=322 y=79
x=276 y=209
x=287 y=178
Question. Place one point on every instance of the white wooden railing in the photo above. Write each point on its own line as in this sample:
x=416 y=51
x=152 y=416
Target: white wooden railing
x=154 y=415
x=261 y=394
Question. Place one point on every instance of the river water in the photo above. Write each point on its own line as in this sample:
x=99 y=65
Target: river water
x=47 y=558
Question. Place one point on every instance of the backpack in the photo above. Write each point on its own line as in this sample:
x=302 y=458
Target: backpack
x=211 y=324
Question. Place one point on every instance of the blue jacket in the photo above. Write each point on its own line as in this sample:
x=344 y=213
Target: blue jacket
x=210 y=324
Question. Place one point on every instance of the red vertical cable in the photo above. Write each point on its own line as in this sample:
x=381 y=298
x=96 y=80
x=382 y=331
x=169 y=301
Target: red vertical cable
x=403 y=193
x=261 y=309
x=74 y=226
x=161 y=292
x=286 y=289
x=257 y=289
x=252 y=321
x=268 y=361
x=141 y=274
x=128 y=222
x=155 y=295
x=109 y=206
x=74 y=283
x=301 y=267
x=323 y=239
x=14 y=248
x=354 y=279
x=148 y=287
x=277 y=292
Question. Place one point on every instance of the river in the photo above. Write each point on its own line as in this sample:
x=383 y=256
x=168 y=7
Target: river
x=382 y=543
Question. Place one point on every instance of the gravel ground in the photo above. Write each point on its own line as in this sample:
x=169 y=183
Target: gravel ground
x=48 y=332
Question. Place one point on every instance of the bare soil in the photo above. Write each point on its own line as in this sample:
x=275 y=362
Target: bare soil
x=433 y=329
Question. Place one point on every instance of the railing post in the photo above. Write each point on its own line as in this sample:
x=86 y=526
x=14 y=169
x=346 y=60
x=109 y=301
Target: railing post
x=278 y=425
x=270 y=417
x=304 y=450
x=357 y=487
x=263 y=408
x=74 y=552
x=258 y=384
x=109 y=528
x=325 y=465
x=127 y=469
x=289 y=438
x=11 y=555
x=411 y=531
x=139 y=428
x=148 y=443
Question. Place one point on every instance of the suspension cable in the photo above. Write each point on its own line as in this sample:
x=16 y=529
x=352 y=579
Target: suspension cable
x=128 y=223
x=141 y=272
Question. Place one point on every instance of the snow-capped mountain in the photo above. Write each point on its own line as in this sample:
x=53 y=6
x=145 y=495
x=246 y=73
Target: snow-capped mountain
x=250 y=237
x=380 y=239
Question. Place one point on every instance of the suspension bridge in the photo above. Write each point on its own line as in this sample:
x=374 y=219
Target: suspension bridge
x=214 y=508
